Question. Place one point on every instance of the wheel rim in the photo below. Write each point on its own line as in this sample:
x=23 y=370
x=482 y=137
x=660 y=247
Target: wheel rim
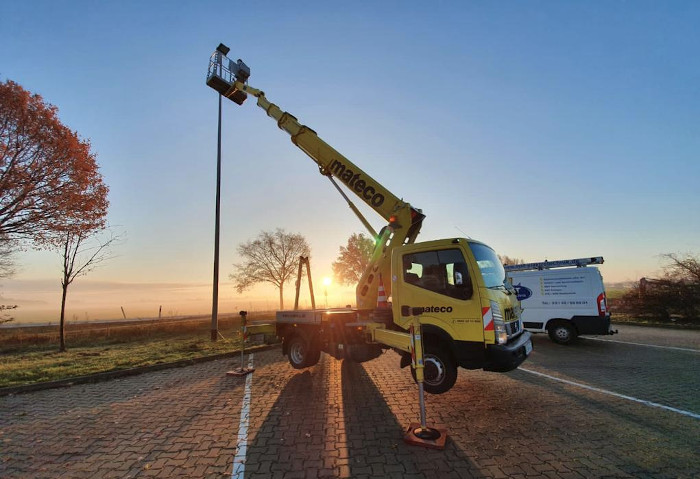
x=562 y=333
x=434 y=370
x=296 y=351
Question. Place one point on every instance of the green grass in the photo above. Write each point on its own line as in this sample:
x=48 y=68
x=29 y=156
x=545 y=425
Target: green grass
x=27 y=358
x=615 y=293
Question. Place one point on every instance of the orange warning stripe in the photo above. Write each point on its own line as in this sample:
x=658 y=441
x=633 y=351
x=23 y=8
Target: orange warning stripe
x=381 y=295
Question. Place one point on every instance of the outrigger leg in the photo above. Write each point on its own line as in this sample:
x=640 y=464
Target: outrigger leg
x=242 y=371
x=420 y=434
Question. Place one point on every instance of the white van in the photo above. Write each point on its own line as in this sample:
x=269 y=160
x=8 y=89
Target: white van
x=565 y=298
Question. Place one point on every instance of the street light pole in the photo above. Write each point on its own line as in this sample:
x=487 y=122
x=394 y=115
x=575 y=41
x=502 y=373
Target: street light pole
x=215 y=295
x=326 y=283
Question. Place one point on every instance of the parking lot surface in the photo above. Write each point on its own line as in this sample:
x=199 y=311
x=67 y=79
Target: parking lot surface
x=593 y=409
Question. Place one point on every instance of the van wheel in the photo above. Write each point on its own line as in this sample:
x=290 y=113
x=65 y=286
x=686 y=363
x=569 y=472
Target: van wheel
x=562 y=332
x=440 y=371
x=301 y=353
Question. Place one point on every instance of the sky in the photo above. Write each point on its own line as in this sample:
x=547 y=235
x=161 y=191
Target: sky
x=548 y=130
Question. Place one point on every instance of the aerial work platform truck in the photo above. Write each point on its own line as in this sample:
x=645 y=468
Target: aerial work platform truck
x=469 y=314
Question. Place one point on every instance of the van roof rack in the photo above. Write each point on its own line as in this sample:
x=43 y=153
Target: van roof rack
x=562 y=263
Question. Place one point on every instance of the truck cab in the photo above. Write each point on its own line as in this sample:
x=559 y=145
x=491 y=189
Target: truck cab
x=471 y=316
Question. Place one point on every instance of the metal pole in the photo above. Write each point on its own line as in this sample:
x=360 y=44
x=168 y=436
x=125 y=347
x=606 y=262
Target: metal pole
x=421 y=400
x=215 y=295
x=423 y=432
x=243 y=331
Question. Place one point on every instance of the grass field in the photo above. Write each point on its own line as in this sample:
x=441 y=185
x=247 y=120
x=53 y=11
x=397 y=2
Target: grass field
x=31 y=355
x=615 y=293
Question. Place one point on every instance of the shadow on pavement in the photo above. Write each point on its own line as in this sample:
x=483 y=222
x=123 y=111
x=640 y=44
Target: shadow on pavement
x=332 y=421
x=291 y=437
x=375 y=436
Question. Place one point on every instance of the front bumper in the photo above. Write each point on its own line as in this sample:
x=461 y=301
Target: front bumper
x=506 y=357
x=593 y=324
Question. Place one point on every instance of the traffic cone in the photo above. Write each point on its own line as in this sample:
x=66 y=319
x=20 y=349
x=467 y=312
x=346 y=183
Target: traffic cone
x=381 y=296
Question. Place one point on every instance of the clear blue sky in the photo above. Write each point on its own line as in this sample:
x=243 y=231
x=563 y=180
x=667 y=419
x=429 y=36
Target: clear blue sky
x=545 y=129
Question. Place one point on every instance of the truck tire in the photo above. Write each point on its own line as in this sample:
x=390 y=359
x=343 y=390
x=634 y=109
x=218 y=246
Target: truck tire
x=440 y=372
x=301 y=352
x=314 y=356
x=561 y=332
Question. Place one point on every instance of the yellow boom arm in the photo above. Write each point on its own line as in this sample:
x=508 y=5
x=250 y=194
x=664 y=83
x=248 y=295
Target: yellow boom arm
x=404 y=221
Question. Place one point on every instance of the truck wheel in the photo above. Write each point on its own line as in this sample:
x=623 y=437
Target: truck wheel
x=301 y=353
x=314 y=356
x=440 y=372
x=562 y=332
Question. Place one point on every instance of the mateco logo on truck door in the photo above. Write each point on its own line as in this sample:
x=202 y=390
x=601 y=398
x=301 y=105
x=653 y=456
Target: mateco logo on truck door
x=357 y=184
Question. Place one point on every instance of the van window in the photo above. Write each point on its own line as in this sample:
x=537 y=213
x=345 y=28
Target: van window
x=442 y=271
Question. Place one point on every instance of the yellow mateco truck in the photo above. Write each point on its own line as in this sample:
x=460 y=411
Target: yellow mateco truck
x=469 y=314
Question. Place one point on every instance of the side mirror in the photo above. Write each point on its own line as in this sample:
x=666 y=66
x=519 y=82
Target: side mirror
x=463 y=281
x=467 y=290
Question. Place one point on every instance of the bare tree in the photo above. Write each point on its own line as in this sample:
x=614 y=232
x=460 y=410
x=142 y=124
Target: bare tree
x=353 y=259
x=683 y=267
x=81 y=252
x=507 y=260
x=272 y=257
x=6 y=270
x=674 y=295
x=4 y=315
x=7 y=263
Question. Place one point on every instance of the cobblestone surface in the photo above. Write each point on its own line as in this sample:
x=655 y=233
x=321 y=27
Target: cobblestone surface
x=660 y=375
x=340 y=419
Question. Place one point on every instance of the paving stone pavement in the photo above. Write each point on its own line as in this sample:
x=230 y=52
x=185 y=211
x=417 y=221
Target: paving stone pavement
x=341 y=419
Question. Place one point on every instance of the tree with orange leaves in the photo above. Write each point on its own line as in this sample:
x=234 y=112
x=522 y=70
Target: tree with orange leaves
x=51 y=189
x=49 y=178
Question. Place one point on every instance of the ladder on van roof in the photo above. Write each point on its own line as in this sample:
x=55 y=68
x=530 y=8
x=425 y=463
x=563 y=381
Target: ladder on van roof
x=562 y=263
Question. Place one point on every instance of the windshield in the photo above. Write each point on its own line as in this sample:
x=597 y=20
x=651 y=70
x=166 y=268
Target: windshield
x=489 y=264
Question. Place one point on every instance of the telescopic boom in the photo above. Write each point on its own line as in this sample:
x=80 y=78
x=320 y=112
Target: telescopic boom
x=404 y=222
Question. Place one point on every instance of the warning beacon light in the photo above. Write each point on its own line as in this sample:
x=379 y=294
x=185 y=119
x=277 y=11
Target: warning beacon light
x=224 y=73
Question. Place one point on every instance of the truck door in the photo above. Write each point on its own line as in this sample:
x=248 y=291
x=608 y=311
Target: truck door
x=440 y=281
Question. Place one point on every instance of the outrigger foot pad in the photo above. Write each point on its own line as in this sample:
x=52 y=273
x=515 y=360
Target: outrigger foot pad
x=240 y=372
x=430 y=437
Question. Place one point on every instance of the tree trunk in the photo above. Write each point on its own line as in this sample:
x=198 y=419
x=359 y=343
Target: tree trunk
x=281 y=296
x=62 y=323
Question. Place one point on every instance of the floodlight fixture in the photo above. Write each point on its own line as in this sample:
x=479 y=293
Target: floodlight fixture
x=223 y=49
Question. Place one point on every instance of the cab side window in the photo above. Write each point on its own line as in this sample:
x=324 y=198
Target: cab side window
x=441 y=271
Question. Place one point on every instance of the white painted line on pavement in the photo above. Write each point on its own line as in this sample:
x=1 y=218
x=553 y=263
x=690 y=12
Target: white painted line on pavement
x=642 y=344
x=622 y=396
x=242 y=446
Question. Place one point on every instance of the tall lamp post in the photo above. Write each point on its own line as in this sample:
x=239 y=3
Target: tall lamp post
x=326 y=284
x=222 y=51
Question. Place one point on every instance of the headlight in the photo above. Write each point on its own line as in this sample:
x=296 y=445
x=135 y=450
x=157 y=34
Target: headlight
x=499 y=325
